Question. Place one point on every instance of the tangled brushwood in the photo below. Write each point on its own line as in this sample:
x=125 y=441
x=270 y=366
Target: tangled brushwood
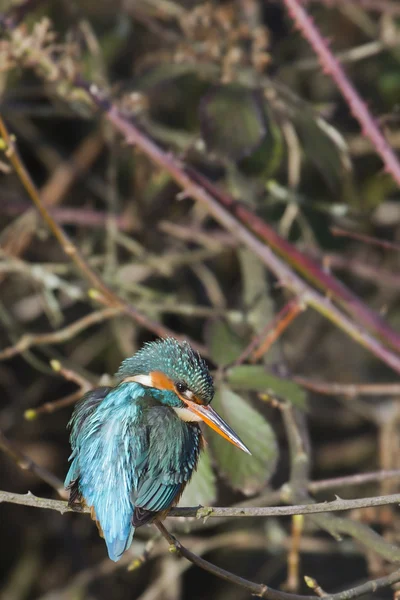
x=217 y=172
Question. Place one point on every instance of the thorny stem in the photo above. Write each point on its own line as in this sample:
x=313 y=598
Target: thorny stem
x=27 y=464
x=238 y=219
x=101 y=292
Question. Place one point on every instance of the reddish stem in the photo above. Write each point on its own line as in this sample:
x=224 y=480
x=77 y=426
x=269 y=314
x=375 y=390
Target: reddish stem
x=282 y=321
x=331 y=67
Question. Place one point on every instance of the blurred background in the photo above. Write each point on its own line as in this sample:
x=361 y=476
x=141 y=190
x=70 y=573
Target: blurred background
x=234 y=91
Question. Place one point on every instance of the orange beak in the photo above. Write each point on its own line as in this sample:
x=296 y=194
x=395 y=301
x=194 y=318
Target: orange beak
x=212 y=418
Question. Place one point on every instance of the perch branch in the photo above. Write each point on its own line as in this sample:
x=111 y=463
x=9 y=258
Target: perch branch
x=204 y=512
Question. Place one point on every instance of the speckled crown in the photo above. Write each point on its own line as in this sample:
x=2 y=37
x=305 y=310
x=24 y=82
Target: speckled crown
x=175 y=359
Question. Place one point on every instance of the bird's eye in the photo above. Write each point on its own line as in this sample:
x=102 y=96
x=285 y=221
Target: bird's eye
x=181 y=387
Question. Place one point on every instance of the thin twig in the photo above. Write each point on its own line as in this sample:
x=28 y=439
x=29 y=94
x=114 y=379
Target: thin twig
x=262 y=342
x=27 y=464
x=349 y=389
x=282 y=321
x=70 y=375
x=350 y=480
x=264 y=591
x=51 y=407
x=238 y=219
x=61 y=335
x=362 y=237
x=101 y=292
x=382 y=6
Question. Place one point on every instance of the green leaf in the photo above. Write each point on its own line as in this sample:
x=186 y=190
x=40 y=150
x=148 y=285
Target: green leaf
x=223 y=343
x=257 y=297
x=254 y=377
x=233 y=120
x=245 y=473
x=325 y=147
x=202 y=488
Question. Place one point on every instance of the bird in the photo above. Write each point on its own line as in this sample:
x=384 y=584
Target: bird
x=135 y=446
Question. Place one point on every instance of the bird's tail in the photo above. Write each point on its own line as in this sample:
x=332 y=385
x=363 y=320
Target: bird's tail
x=117 y=546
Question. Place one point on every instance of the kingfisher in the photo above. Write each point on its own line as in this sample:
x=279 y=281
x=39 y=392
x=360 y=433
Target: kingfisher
x=135 y=446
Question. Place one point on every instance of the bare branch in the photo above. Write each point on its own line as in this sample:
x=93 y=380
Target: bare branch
x=27 y=464
x=204 y=512
x=264 y=591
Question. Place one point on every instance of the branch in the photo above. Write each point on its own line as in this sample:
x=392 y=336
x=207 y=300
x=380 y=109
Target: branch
x=263 y=591
x=349 y=389
x=50 y=407
x=271 y=332
x=27 y=464
x=350 y=480
x=204 y=512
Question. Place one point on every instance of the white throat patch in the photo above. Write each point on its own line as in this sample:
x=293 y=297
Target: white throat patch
x=187 y=415
x=142 y=379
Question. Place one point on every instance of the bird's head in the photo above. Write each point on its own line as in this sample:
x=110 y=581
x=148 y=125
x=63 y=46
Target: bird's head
x=174 y=367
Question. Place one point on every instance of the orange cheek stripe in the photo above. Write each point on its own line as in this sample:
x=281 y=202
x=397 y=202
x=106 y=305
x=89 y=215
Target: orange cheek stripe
x=161 y=381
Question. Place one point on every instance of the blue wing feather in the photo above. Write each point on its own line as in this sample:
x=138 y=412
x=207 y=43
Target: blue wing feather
x=108 y=454
x=131 y=458
x=174 y=447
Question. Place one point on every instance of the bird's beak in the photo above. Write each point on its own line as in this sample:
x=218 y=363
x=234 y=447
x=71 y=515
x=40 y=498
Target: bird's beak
x=212 y=418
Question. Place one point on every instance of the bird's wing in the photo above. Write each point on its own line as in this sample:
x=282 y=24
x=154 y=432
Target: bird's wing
x=83 y=410
x=109 y=451
x=173 y=450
